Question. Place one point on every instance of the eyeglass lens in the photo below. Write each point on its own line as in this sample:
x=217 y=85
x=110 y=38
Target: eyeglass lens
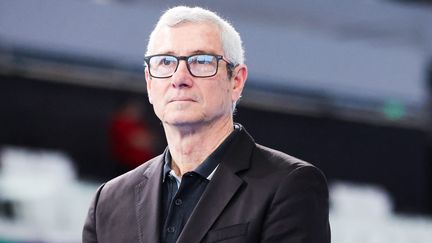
x=199 y=65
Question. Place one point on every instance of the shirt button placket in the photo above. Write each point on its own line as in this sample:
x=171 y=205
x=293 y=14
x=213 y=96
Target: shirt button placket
x=178 y=202
x=171 y=229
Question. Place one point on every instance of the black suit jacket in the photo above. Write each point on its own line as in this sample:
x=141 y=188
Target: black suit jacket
x=256 y=195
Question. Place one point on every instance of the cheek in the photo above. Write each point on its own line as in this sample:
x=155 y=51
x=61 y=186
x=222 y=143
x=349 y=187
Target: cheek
x=223 y=96
x=150 y=98
x=155 y=98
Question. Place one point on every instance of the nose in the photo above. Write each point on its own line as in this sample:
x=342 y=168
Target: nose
x=182 y=77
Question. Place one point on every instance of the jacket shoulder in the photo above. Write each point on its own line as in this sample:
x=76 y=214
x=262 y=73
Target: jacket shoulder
x=276 y=159
x=135 y=176
x=278 y=166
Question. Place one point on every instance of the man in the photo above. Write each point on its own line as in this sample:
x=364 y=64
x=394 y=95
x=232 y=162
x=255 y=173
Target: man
x=213 y=183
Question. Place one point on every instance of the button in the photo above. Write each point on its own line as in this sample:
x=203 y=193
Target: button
x=171 y=229
x=178 y=202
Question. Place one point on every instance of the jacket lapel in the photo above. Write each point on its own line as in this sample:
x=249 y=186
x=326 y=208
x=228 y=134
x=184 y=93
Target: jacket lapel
x=222 y=187
x=147 y=198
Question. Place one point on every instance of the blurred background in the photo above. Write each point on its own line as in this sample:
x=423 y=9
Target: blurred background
x=343 y=84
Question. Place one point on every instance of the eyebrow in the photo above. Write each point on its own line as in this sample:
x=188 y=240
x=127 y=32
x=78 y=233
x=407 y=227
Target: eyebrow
x=192 y=53
x=202 y=52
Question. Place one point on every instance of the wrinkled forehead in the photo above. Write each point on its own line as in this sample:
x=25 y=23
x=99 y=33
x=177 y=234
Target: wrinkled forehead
x=187 y=37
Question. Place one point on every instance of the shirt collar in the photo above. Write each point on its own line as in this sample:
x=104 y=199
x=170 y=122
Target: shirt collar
x=208 y=167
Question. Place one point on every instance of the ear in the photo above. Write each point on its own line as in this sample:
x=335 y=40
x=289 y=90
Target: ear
x=240 y=74
x=149 y=84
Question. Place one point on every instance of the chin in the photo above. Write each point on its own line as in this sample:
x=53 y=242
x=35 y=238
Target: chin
x=182 y=120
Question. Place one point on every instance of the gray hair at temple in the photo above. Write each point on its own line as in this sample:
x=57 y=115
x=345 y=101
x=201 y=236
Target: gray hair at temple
x=230 y=38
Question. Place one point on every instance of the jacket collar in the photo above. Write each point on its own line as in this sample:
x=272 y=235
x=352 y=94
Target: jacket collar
x=148 y=202
x=223 y=186
x=220 y=190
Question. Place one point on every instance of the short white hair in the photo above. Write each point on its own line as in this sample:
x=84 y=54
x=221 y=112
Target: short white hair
x=230 y=38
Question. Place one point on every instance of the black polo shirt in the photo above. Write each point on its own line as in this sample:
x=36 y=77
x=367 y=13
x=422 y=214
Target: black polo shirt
x=178 y=202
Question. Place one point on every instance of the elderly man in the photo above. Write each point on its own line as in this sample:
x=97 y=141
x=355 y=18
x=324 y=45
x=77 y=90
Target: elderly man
x=213 y=183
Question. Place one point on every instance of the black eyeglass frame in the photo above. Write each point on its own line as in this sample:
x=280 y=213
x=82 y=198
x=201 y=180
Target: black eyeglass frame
x=230 y=65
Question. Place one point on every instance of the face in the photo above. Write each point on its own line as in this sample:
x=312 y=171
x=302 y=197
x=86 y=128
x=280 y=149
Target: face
x=182 y=99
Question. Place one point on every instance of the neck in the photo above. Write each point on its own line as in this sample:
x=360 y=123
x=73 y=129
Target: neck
x=190 y=145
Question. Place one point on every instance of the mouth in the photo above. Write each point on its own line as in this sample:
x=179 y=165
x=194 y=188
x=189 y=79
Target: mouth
x=181 y=99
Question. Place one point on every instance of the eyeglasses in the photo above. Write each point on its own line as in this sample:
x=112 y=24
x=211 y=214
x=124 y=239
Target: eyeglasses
x=200 y=65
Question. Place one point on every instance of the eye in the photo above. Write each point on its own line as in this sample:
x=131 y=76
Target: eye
x=167 y=61
x=201 y=59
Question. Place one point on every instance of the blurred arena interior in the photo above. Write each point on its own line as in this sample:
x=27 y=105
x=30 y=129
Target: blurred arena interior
x=346 y=86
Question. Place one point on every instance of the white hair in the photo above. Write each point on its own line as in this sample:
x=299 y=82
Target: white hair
x=230 y=38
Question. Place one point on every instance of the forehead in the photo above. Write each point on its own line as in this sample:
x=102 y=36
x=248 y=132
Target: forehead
x=188 y=38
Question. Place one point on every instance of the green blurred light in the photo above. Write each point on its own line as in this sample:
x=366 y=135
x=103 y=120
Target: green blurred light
x=393 y=110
